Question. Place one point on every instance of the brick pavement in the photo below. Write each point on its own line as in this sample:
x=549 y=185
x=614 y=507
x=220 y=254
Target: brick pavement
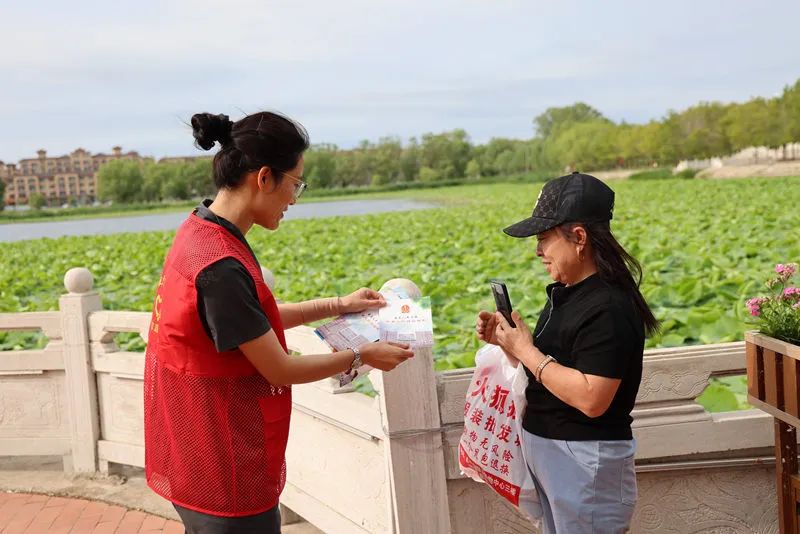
x=39 y=514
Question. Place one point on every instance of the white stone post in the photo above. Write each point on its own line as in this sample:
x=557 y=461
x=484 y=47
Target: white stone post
x=269 y=279
x=81 y=385
x=413 y=447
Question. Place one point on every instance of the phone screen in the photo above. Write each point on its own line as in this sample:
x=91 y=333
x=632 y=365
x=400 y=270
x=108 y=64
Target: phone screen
x=501 y=300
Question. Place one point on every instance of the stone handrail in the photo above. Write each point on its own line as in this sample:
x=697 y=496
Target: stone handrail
x=393 y=454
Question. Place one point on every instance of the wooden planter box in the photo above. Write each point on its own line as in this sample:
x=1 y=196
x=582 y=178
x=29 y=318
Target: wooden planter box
x=773 y=376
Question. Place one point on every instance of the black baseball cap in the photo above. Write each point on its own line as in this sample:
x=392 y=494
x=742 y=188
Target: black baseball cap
x=575 y=197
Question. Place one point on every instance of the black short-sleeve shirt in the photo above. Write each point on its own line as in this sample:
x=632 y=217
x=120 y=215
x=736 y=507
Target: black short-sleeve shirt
x=593 y=327
x=227 y=300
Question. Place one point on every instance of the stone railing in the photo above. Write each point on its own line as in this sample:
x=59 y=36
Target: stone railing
x=387 y=463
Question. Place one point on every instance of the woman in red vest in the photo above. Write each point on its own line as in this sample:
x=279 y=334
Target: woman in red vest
x=217 y=393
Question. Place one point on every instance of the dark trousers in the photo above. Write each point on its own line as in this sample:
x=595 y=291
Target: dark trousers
x=268 y=522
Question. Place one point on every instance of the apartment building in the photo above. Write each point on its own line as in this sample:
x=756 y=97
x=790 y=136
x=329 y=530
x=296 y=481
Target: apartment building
x=58 y=179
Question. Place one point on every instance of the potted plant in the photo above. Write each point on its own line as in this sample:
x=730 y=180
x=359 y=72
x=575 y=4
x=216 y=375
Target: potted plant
x=773 y=351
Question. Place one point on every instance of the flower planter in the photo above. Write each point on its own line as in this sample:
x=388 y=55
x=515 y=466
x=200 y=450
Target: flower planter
x=773 y=376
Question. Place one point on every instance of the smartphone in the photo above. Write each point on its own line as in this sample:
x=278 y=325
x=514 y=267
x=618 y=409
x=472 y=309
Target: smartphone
x=501 y=300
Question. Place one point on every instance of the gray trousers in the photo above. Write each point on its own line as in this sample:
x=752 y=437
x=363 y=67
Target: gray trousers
x=586 y=487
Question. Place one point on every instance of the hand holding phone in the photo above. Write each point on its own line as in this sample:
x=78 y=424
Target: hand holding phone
x=501 y=299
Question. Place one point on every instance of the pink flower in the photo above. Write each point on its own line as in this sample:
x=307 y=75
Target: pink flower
x=786 y=270
x=791 y=292
x=754 y=305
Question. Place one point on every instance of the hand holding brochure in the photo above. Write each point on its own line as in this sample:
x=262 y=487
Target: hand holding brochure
x=402 y=320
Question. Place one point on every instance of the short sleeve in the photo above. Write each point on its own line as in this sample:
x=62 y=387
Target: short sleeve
x=227 y=302
x=603 y=344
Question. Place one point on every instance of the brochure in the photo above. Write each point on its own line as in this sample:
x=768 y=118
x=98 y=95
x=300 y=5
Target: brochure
x=350 y=330
x=407 y=321
x=355 y=329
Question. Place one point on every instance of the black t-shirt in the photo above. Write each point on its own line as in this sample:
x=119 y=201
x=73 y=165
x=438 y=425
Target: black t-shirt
x=595 y=328
x=227 y=300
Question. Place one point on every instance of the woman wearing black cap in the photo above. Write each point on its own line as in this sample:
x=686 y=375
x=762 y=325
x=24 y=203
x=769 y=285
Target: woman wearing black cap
x=583 y=361
x=217 y=395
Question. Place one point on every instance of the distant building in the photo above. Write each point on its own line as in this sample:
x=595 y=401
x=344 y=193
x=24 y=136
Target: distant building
x=58 y=179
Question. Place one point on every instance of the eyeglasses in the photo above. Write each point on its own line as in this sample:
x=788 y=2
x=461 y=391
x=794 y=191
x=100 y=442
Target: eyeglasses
x=299 y=187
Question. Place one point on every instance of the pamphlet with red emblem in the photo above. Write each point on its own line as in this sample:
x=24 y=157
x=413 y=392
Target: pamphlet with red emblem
x=407 y=321
x=402 y=320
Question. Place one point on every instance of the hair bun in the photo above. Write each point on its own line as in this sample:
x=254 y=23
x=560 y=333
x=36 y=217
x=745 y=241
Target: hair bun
x=208 y=129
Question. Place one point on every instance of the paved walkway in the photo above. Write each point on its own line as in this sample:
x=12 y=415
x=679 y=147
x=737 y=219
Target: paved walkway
x=35 y=514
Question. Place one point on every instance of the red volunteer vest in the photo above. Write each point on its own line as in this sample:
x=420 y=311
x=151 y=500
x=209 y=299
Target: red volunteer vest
x=215 y=430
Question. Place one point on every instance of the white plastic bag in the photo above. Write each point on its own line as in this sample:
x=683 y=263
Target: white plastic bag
x=490 y=449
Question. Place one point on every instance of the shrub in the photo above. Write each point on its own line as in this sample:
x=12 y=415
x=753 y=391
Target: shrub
x=686 y=173
x=657 y=174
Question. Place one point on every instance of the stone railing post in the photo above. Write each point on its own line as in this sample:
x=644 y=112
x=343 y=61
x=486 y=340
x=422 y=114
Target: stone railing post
x=413 y=447
x=269 y=278
x=81 y=385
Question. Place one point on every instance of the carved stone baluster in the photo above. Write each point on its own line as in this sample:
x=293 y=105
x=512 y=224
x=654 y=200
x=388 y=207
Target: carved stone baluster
x=81 y=384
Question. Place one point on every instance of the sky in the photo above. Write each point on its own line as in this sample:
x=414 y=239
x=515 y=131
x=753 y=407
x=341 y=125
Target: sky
x=98 y=74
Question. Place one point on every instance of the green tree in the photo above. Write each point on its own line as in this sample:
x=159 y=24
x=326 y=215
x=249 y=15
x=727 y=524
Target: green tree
x=379 y=179
x=520 y=158
x=587 y=146
x=387 y=155
x=488 y=154
x=473 y=169
x=447 y=153
x=669 y=144
x=363 y=163
x=426 y=174
x=699 y=131
x=753 y=123
x=2 y=195
x=199 y=177
x=649 y=141
x=154 y=176
x=536 y=155
x=556 y=118
x=176 y=180
x=504 y=162
x=177 y=184
x=629 y=145
x=120 y=181
x=320 y=166
x=345 y=169
x=36 y=201
x=409 y=161
x=790 y=114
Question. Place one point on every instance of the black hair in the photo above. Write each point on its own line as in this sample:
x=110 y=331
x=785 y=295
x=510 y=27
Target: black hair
x=615 y=266
x=263 y=139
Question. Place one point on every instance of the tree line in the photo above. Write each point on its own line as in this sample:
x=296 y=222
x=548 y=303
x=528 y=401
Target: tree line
x=570 y=137
x=129 y=181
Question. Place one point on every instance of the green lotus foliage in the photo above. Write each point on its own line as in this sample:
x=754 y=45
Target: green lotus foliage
x=704 y=246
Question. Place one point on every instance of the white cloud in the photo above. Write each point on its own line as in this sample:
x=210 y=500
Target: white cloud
x=97 y=74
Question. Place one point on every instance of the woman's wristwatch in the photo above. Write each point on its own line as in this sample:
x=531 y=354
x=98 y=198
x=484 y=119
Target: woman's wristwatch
x=356 y=363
